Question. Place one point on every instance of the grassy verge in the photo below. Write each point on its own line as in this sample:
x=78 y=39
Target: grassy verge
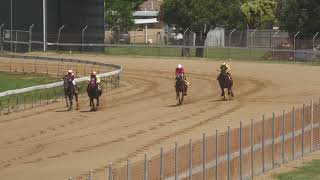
x=211 y=53
x=10 y=81
x=308 y=172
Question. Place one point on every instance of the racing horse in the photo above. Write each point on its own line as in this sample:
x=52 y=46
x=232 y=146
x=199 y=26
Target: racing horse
x=70 y=91
x=181 y=88
x=225 y=82
x=93 y=93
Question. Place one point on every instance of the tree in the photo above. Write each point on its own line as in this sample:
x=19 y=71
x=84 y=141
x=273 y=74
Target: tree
x=260 y=13
x=200 y=16
x=299 y=15
x=118 y=13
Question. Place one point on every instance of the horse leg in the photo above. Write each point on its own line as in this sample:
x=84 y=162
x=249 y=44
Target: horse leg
x=66 y=101
x=94 y=106
x=182 y=97
x=231 y=92
x=223 y=94
x=177 y=95
x=71 y=103
x=76 y=96
x=91 y=104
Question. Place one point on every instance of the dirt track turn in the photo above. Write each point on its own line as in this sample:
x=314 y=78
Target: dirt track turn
x=141 y=116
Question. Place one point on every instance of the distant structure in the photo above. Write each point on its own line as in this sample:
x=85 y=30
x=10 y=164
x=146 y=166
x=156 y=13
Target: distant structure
x=151 y=5
x=73 y=14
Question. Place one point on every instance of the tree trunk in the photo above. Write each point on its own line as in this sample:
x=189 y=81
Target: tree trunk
x=200 y=40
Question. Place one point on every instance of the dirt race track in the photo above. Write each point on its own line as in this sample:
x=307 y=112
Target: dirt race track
x=140 y=116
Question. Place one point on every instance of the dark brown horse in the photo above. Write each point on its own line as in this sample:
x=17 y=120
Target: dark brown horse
x=181 y=88
x=225 y=82
x=70 y=91
x=93 y=93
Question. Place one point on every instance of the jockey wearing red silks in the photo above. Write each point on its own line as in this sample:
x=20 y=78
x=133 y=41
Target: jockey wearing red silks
x=180 y=70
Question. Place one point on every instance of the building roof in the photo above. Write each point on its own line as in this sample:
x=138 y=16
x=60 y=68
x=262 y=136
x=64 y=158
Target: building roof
x=146 y=21
x=151 y=5
x=146 y=13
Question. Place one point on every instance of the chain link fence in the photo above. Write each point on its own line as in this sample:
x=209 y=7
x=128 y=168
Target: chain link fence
x=219 y=43
x=239 y=153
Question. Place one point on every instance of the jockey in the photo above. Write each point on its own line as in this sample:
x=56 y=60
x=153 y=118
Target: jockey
x=70 y=76
x=96 y=78
x=225 y=69
x=180 y=70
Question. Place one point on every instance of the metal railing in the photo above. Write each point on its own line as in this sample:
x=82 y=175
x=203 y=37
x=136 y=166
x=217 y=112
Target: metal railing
x=19 y=99
x=239 y=153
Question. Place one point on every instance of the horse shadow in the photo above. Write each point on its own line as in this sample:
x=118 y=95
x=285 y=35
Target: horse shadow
x=174 y=105
x=221 y=100
x=86 y=111
x=65 y=110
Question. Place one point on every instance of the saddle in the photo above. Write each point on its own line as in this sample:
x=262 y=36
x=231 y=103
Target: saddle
x=224 y=74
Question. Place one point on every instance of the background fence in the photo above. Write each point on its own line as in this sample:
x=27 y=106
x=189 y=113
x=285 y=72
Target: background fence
x=220 y=43
x=239 y=153
x=20 y=99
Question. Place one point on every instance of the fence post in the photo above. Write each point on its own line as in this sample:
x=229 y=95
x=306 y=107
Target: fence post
x=294 y=45
x=230 y=37
x=252 y=149
x=283 y=136
x=128 y=170
x=1 y=37
x=24 y=101
x=313 y=39
x=263 y=168
x=204 y=156
x=240 y=155
x=190 y=159
x=272 y=45
x=91 y=174
x=311 y=136
x=48 y=97
x=59 y=34
x=110 y=172
x=217 y=154
x=302 y=135
x=30 y=37
x=228 y=144
x=293 y=129
x=161 y=163
x=273 y=136
x=82 y=37
x=251 y=35
x=176 y=161
x=145 y=177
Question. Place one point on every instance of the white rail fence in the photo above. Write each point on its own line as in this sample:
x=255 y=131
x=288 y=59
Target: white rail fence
x=19 y=99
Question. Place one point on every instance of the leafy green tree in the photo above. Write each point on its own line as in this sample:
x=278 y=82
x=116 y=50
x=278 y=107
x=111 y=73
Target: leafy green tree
x=201 y=15
x=299 y=15
x=118 y=13
x=260 y=13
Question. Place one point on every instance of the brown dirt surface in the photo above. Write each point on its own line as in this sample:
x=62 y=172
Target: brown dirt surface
x=141 y=115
